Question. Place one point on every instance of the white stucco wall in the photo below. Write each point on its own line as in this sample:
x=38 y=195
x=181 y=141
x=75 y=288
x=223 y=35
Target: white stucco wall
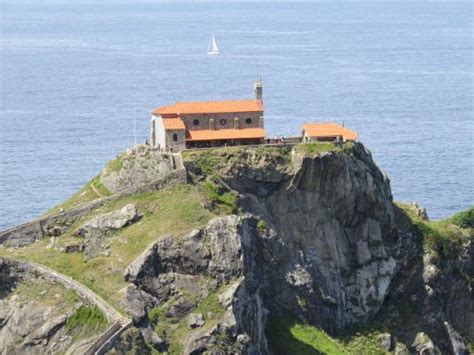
x=160 y=132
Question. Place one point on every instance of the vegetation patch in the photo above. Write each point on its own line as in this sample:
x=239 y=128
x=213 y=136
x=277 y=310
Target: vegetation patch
x=286 y=335
x=46 y=293
x=220 y=198
x=86 y=321
x=177 y=330
x=176 y=209
x=464 y=219
x=209 y=160
x=115 y=164
x=315 y=148
x=261 y=226
x=92 y=190
x=444 y=237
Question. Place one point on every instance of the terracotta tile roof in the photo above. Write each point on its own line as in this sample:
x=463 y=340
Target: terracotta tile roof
x=329 y=130
x=220 y=134
x=173 y=123
x=210 y=107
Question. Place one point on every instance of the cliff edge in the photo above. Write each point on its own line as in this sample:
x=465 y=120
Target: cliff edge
x=268 y=249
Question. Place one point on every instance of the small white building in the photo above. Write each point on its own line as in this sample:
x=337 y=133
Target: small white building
x=326 y=132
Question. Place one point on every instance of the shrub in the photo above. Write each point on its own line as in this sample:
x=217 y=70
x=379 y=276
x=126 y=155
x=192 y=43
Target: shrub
x=86 y=321
x=226 y=201
x=261 y=226
x=464 y=219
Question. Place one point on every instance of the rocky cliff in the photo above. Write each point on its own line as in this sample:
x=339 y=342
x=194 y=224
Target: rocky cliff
x=308 y=233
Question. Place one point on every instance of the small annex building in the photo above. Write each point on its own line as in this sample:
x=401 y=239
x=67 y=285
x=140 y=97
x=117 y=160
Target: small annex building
x=209 y=124
x=326 y=132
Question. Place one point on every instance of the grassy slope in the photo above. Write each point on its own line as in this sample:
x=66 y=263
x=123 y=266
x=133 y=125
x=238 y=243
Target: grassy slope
x=175 y=210
x=92 y=190
x=86 y=194
x=443 y=237
x=288 y=336
x=85 y=322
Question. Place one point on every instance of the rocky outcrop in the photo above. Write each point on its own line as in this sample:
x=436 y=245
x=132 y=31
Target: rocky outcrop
x=137 y=166
x=96 y=230
x=336 y=250
x=117 y=219
x=34 y=311
x=217 y=258
x=317 y=237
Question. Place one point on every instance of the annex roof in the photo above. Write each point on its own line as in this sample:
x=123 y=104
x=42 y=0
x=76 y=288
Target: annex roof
x=328 y=130
x=223 y=134
x=173 y=123
x=200 y=107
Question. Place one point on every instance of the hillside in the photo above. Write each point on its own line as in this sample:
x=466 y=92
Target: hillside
x=284 y=249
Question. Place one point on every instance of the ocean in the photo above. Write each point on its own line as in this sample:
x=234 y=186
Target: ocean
x=73 y=74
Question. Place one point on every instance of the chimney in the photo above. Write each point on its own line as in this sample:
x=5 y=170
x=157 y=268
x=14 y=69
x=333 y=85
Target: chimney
x=258 y=90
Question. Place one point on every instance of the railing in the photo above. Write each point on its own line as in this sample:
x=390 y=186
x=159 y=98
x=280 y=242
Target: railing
x=269 y=142
x=105 y=341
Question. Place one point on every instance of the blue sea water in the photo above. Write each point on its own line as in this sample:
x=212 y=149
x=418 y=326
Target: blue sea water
x=72 y=75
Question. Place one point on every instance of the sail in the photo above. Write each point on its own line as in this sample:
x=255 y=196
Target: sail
x=213 y=49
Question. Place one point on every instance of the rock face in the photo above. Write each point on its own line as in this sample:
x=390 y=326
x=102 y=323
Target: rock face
x=318 y=237
x=111 y=220
x=333 y=242
x=328 y=253
x=137 y=166
x=217 y=258
x=332 y=245
x=96 y=230
x=33 y=320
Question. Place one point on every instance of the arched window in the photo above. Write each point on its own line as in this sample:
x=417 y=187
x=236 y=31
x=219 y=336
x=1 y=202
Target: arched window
x=175 y=137
x=196 y=122
x=248 y=120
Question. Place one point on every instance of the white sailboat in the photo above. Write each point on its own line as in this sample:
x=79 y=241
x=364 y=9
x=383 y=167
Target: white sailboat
x=213 y=49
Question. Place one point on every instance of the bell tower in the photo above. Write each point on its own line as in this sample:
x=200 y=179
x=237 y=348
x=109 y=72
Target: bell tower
x=258 y=90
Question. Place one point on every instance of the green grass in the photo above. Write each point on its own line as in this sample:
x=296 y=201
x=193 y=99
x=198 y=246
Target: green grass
x=174 y=210
x=288 y=336
x=86 y=194
x=115 y=164
x=46 y=293
x=86 y=321
x=315 y=148
x=209 y=160
x=177 y=329
x=464 y=219
x=261 y=226
x=443 y=237
x=218 y=198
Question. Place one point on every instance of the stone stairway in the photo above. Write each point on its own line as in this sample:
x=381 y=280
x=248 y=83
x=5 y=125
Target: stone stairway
x=178 y=161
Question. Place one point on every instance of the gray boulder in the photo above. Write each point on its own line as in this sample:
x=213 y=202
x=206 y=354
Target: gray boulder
x=113 y=220
x=195 y=320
